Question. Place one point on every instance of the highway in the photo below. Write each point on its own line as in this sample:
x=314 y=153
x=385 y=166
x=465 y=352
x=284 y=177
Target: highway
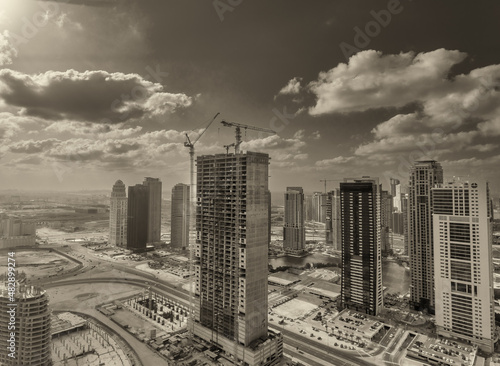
x=322 y=351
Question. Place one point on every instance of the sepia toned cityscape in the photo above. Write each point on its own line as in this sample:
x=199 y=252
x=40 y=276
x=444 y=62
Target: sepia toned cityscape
x=249 y=183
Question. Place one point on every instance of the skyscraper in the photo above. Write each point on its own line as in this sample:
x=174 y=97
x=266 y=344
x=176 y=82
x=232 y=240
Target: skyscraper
x=463 y=263
x=25 y=327
x=180 y=210
x=361 y=253
x=294 y=233
x=118 y=215
x=230 y=254
x=319 y=207
x=333 y=220
x=137 y=219
x=385 y=220
x=154 y=218
x=406 y=212
x=423 y=176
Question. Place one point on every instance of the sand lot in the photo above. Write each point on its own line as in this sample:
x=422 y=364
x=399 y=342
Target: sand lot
x=294 y=308
x=38 y=263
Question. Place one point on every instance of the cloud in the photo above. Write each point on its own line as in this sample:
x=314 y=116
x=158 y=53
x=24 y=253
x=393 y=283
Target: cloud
x=483 y=148
x=32 y=146
x=86 y=129
x=334 y=161
x=91 y=96
x=293 y=87
x=7 y=50
x=299 y=134
x=315 y=135
x=63 y=21
x=283 y=152
x=11 y=124
x=372 y=80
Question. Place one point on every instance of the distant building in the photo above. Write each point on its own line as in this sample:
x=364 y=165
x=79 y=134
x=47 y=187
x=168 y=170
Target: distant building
x=386 y=208
x=231 y=258
x=15 y=232
x=138 y=216
x=31 y=326
x=308 y=207
x=463 y=264
x=319 y=207
x=397 y=224
x=118 y=215
x=405 y=211
x=361 y=252
x=294 y=233
x=180 y=215
x=154 y=216
x=424 y=175
x=333 y=229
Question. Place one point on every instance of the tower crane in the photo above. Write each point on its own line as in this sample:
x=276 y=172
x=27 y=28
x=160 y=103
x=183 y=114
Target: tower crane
x=190 y=144
x=238 y=127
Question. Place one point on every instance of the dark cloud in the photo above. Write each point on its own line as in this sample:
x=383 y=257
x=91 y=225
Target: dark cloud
x=93 y=96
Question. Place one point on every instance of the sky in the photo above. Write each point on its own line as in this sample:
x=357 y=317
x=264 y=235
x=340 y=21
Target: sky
x=92 y=91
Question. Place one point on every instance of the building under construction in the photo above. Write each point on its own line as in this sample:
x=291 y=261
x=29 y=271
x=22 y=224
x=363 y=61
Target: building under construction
x=24 y=326
x=230 y=258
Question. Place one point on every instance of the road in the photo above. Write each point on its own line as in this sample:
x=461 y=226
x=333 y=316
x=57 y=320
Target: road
x=321 y=351
x=180 y=295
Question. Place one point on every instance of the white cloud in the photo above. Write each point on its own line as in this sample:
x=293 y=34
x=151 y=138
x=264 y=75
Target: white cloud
x=293 y=87
x=7 y=50
x=373 y=80
x=334 y=161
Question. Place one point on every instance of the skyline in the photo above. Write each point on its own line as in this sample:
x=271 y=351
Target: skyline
x=95 y=91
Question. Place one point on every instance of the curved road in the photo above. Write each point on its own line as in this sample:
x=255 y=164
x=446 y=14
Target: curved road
x=172 y=291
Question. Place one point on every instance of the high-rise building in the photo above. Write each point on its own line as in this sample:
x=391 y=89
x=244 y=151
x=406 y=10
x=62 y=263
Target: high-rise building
x=333 y=220
x=397 y=199
x=424 y=175
x=397 y=223
x=180 y=210
x=308 y=207
x=463 y=263
x=138 y=216
x=405 y=211
x=154 y=217
x=361 y=288
x=118 y=215
x=319 y=207
x=231 y=258
x=394 y=183
x=385 y=220
x=294 y=233
x=24 y=326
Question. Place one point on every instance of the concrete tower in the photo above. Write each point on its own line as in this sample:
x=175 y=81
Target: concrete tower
x=231 y=262
x=24 y=326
